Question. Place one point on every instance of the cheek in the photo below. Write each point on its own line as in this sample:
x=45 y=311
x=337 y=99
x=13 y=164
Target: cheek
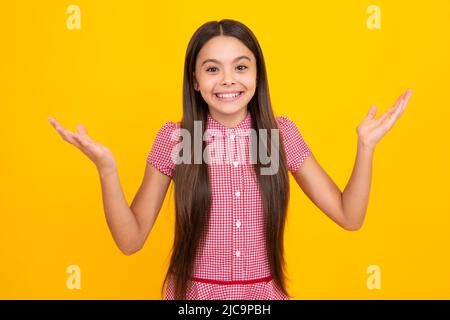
x=207 y=85
x=250 y=82
x=250 y=79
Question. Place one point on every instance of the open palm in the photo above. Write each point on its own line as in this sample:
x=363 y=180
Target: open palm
x=102 y=157
x=371 y=130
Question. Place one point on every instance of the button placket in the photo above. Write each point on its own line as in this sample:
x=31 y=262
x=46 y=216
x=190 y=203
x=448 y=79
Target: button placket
x=232 y=134
x=236 y=182
x=236 y=159
x=236 y=212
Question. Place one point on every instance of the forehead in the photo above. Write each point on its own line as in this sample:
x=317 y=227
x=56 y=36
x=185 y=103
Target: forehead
x=224 y=49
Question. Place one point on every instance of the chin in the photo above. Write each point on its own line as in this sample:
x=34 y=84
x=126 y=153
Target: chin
x=228 y=111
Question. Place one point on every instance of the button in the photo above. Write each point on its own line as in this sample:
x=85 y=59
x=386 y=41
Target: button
x=232 y=136
x=238 y=253
x=237 y=193
x=235 y=163
x=238 y=223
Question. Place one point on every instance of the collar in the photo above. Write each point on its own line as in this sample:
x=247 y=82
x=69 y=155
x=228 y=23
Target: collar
x=240 y=129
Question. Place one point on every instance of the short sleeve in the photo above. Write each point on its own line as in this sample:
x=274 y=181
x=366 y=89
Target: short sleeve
x=296 y=148
x=160 y=155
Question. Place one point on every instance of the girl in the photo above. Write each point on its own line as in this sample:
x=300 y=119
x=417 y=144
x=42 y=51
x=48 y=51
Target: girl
x=229 y=217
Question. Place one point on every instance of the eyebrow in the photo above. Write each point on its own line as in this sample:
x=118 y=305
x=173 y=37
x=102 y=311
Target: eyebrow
x=218 y=62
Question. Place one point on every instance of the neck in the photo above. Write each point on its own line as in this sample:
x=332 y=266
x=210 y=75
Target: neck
x=229 y=120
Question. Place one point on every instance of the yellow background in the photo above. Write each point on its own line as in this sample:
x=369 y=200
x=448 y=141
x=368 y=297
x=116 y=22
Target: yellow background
x=121 y=76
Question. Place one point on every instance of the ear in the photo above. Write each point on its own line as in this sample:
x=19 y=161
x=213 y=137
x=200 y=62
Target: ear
x=195 y=81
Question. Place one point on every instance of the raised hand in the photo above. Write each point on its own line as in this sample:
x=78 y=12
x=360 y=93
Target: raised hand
x=371 y=130
x=102 y=157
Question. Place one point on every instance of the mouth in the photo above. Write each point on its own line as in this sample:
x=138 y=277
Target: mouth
x=229 y=97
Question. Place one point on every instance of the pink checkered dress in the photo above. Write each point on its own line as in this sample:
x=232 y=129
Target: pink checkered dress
x=231 y=261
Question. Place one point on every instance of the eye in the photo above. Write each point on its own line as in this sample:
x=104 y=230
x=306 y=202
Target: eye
x=245 y=67
x=210 y=69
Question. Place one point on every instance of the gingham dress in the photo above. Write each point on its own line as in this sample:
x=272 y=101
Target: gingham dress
x=231 y=262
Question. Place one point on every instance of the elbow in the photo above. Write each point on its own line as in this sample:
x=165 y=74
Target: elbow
x=129 y=250
x=352 y=226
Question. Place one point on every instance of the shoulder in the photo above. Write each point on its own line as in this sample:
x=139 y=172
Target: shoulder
x=160 y=155
x=295 y=146
x=286 y=125
x=170 y=126
x=283 y=119
x=167 y=129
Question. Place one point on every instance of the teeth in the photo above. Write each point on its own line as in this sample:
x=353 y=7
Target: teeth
x=228 y=95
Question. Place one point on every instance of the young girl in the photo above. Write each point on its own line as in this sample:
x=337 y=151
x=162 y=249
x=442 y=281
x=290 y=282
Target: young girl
x=229 y=216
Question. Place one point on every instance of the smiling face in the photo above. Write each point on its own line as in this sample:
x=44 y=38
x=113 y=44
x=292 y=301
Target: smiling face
x=225 y=74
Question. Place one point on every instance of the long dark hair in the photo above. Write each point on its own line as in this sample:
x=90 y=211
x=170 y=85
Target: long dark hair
x=191 y=181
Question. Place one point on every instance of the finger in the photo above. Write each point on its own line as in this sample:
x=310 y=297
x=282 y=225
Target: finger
x=389 y=121
x=81 y=129
x=372 y=112
x=85 y=136
x=73 y=140
x=406 y=99
x=53 y=121
x=67 y=135
x=387 y=114
x=403 y=107
x=57 y=126
x=81 y=140
x=384 y=116
x=398 y=102
x=83 y=132
x=408 y=93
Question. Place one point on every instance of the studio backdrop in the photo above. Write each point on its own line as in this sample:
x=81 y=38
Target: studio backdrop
x=117 y=67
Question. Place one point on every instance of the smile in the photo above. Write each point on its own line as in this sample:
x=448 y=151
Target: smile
x=228 y=97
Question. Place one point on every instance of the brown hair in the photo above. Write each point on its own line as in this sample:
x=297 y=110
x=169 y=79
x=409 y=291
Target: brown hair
x=191 y=181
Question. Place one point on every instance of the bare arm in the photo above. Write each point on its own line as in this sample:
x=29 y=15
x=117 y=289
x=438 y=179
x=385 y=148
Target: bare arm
x=321 y=190
x=149 y=199
x=129 y=226
x=348 y=208
x=356 y=194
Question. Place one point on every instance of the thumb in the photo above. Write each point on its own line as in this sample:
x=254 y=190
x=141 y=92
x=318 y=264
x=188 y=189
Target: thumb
x=372 y=112
x=81 y=129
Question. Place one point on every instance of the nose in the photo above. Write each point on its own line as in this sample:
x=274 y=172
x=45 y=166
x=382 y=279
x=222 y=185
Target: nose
x=227 y=78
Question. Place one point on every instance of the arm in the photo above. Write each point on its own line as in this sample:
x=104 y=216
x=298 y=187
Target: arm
x=348 y=208
x=321 y=190
x=130 y=226
x=356 y=194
